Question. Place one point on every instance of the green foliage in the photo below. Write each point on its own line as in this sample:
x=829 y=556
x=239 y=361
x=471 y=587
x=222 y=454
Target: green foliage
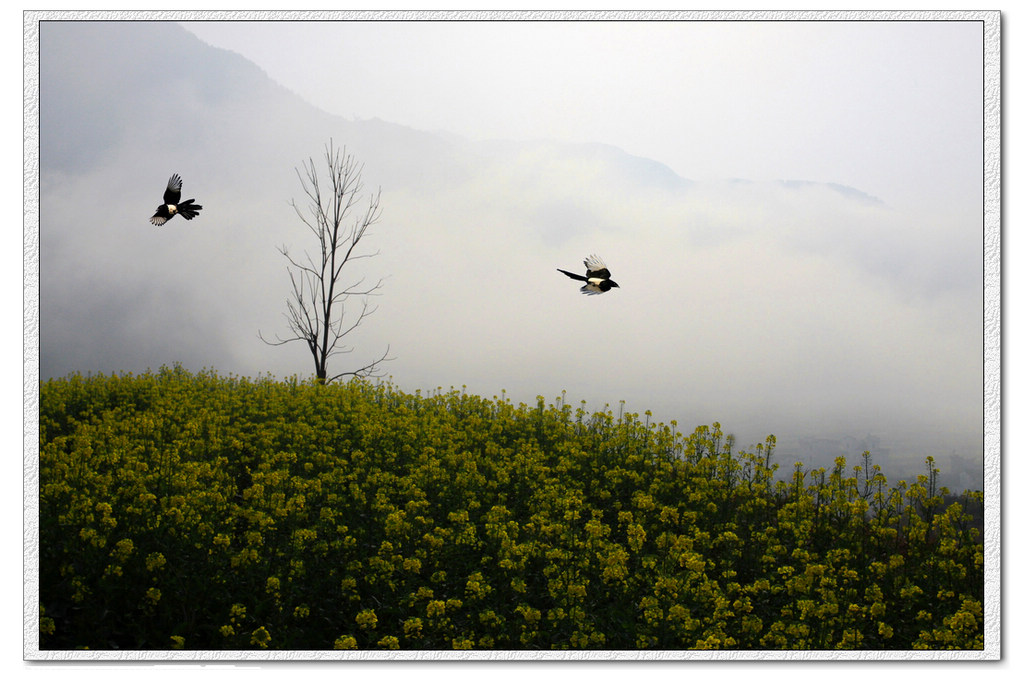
x=193 y=511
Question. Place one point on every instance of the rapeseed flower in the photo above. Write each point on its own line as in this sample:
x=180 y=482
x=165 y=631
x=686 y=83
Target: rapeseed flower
x=437 y=513
x=345 y=643
x=260 y=637
x=367 y=619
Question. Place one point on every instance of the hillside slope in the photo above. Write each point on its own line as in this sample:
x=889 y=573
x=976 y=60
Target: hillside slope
x=204 y=512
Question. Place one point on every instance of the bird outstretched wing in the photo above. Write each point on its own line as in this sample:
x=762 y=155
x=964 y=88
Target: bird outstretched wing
x=596 y=268
x=598 y=278
x=173 y=192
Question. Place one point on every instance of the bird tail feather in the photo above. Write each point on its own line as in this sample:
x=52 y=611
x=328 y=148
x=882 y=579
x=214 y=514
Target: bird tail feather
x=188 y=210
x=573 y=276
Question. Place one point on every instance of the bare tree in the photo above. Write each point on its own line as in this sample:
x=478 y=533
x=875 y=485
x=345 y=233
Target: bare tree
x=317 y=314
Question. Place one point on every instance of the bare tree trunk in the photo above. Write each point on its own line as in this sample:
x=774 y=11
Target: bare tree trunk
x=316 y=310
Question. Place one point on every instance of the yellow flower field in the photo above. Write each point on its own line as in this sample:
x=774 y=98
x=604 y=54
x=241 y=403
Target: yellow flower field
x=195 y=511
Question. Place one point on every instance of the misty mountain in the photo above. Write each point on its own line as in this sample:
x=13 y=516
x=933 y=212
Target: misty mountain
x=152 y=99
x=789 y=307
x=139 y=72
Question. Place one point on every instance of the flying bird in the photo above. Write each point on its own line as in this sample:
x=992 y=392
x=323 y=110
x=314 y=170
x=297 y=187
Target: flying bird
x=598 y=278
x=170 y=207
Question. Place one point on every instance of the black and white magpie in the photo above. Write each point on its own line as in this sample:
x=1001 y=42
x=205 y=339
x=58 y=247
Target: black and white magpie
x=598 y=278
x=170 y=207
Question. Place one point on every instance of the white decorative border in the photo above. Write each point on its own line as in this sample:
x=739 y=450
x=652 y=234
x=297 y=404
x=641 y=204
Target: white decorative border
x=992 y=323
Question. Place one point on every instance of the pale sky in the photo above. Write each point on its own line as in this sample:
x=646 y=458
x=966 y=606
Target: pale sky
x=886 y=107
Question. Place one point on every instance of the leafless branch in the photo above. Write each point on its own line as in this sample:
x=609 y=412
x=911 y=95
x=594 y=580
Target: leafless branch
x=316 y=311
x=369 y=371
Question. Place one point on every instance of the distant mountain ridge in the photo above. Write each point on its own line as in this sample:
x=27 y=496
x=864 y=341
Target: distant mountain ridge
x=135 y=70
x=153 y=65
